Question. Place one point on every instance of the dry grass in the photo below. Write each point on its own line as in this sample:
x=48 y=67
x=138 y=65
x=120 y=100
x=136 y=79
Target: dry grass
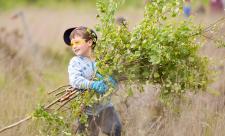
x=27 y=75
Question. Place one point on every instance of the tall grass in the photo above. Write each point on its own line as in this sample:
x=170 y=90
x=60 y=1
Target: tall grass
x=25 y=78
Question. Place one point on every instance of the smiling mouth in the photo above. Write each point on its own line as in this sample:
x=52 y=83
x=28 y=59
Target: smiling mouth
x=76 y=50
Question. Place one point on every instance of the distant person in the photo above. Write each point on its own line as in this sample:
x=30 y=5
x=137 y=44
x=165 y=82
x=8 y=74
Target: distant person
x=187 y=8
x=217 y=5
x=201 y=9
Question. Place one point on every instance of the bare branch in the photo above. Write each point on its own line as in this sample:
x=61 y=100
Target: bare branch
x=58 y=89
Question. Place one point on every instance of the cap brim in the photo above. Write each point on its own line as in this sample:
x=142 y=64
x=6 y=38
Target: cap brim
x=66 y=35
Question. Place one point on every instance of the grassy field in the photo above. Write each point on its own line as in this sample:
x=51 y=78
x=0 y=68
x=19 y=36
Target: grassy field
x=33 y=61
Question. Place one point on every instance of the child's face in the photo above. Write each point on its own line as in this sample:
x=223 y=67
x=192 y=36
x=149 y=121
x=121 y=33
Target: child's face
x=80 y=47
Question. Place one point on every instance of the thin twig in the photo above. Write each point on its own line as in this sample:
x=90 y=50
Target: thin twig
x=61 y=92
x=65 y=90
x=67 y=96
x=71 y=98
x=210 y=38
x=70 y=89
x=58 y=89
x=15 y=124
x=213 y=24
x=52 y=103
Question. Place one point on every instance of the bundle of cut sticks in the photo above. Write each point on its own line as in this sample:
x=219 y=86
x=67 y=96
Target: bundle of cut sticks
x=63 y=94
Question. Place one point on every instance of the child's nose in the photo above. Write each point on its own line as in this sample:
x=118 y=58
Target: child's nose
x=74 y=47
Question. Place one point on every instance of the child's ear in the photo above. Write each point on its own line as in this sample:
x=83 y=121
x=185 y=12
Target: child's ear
x=90 y=42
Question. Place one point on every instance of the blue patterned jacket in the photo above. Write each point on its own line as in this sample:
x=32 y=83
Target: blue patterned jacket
x=81 y=70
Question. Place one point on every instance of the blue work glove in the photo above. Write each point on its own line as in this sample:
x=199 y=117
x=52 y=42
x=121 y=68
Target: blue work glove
x=110 y=79
x=99 y=76
x=99 y=86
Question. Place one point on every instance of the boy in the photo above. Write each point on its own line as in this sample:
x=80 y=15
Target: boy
x=81 y=69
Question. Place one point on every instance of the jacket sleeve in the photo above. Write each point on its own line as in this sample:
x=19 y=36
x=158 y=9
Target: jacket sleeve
x=76 y=79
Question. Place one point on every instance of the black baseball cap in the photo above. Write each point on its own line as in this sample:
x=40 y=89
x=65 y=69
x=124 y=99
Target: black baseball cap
x=66 y=35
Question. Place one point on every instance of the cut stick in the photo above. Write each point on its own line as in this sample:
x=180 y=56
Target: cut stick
x=213 y=24
x=71 y=98
x=15 y=124
x=61 y=92
x=58 y=89
x=70 y=89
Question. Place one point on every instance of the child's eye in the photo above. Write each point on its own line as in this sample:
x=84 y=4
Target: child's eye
x=77 y=42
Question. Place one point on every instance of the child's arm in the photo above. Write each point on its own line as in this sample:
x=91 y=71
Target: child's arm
x=77 y=80
x=75 y=76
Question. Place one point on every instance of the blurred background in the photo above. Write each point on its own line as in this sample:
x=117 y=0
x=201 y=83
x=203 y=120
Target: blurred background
x=34 y=59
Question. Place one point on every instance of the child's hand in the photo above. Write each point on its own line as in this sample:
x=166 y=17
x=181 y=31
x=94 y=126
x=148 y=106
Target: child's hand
x=110 y=79
x=99 y=76
x=99 y=86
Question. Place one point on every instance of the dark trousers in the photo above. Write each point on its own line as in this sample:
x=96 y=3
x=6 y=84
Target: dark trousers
x=107 y=122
